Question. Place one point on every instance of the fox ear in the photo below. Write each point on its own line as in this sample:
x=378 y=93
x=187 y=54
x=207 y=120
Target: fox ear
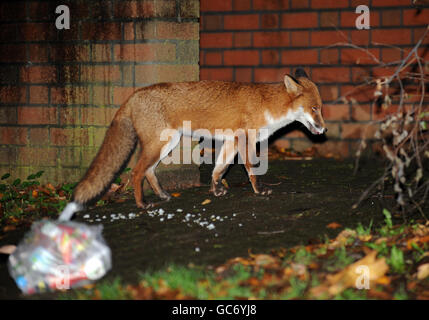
x=300 y=72
x=291 y=85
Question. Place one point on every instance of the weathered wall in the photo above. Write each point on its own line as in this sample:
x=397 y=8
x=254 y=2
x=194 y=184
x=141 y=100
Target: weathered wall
x=261 y=40
x=59 y=89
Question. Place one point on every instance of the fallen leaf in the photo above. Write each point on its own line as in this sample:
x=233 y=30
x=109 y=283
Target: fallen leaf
x=176 y=194
x=9 y=228
x=8 y=249
x=35 y=193
x=423 y=271
x=207 y=201
x=225 y=183
x=347 y=278
x=342 y=238
x=334 y=225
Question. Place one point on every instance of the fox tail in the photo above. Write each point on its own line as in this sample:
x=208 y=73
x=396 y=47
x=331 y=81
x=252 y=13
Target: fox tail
x=114 y=152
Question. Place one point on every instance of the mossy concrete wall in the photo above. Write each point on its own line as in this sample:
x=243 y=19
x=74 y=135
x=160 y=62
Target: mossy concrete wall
x=59 y=89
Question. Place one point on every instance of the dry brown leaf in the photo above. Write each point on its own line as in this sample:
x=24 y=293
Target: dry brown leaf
x=207 y=201
x=341 y=239
x=176 y=194
x=225 y=183
x=423 y=271
x=346 y=278
x=334 y=225
x=8 y=249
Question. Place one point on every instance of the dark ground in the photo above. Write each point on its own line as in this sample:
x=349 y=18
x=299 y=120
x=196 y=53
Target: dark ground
x=307 y=196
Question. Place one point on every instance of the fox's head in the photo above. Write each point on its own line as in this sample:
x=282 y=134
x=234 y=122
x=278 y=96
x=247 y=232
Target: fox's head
x=306 y=101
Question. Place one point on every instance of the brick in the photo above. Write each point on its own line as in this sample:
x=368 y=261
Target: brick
x=121 y=94
x=299 y=38
x=101 y=52
x=8 y=32
x=299 y=20
x=69 y=136
x=12 y=94
x=333 y=130
x=270 y=39
x=328 y=92
x=213 y=58
x=36 y=32
x=128 y=31
x=12 y=11
x=325 y=38
x=8 y=155
x=159 y=52
x=270 y=4
x=39 y=136
x=70 y=95
x=331 y=74
x=336 y=112
x=102 y=95
x=39 y=94
x=415 y=17
x=242 y=39
x=270 y=74
x=391 y=36
x=165 y=73
x=145 y=9
x=282 y=144
x=243 y=75
x=360 y=37
x=391 y=17
x=37 y=115
x=300 y=57
x=69 y=73
x=270 y=57
x=269 y=21
x=189 y=8
x=107 y=73
x=357 y=130
x=210 y=5
x=418 y=34
x=38 y=52
x=8 y=115
x=390 y=3
x=12 y=135
x=69 y=157
x=359 y=94
x=37 y=156
x=355 y=56
x=360 y=74
x=333 y=148
x=391 y=54
x=38 y=74
x=13 y=53
x=98 y=116
x=101 y=31
x=361 y=112
x=318 y=4
x=69 y=116
x=299 y=4
x=329 y=56
x=168 y=30
x=214 y=22
x=216 y=74
x=216 y=40
x=66 y=53
x=348 y=19
x=241 y=57
x=329 y=19
x=241 y=22
x=238 y=5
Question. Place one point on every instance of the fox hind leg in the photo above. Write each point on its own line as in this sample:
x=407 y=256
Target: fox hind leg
x=247 y=153
x=226 y=156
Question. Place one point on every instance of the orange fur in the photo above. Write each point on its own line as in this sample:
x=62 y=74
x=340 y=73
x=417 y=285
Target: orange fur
x=207 y=105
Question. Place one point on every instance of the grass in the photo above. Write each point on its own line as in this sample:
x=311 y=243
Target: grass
x=302 y=272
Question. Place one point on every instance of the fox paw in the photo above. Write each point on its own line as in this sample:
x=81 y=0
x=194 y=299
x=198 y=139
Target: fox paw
x=218 y=189
x=144 y=205
x=264 y=191
x=165 y=196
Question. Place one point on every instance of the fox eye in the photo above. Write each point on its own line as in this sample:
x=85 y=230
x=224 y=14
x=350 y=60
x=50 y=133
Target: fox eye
x=314 y=109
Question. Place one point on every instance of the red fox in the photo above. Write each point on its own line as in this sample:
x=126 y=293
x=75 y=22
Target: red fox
x=206 y=105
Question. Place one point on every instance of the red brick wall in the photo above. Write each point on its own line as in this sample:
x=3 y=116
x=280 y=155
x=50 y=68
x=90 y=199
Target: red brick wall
x=59 y=89
x=261 y=40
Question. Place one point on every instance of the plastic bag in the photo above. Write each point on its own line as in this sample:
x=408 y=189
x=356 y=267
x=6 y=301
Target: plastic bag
x=59 y=255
